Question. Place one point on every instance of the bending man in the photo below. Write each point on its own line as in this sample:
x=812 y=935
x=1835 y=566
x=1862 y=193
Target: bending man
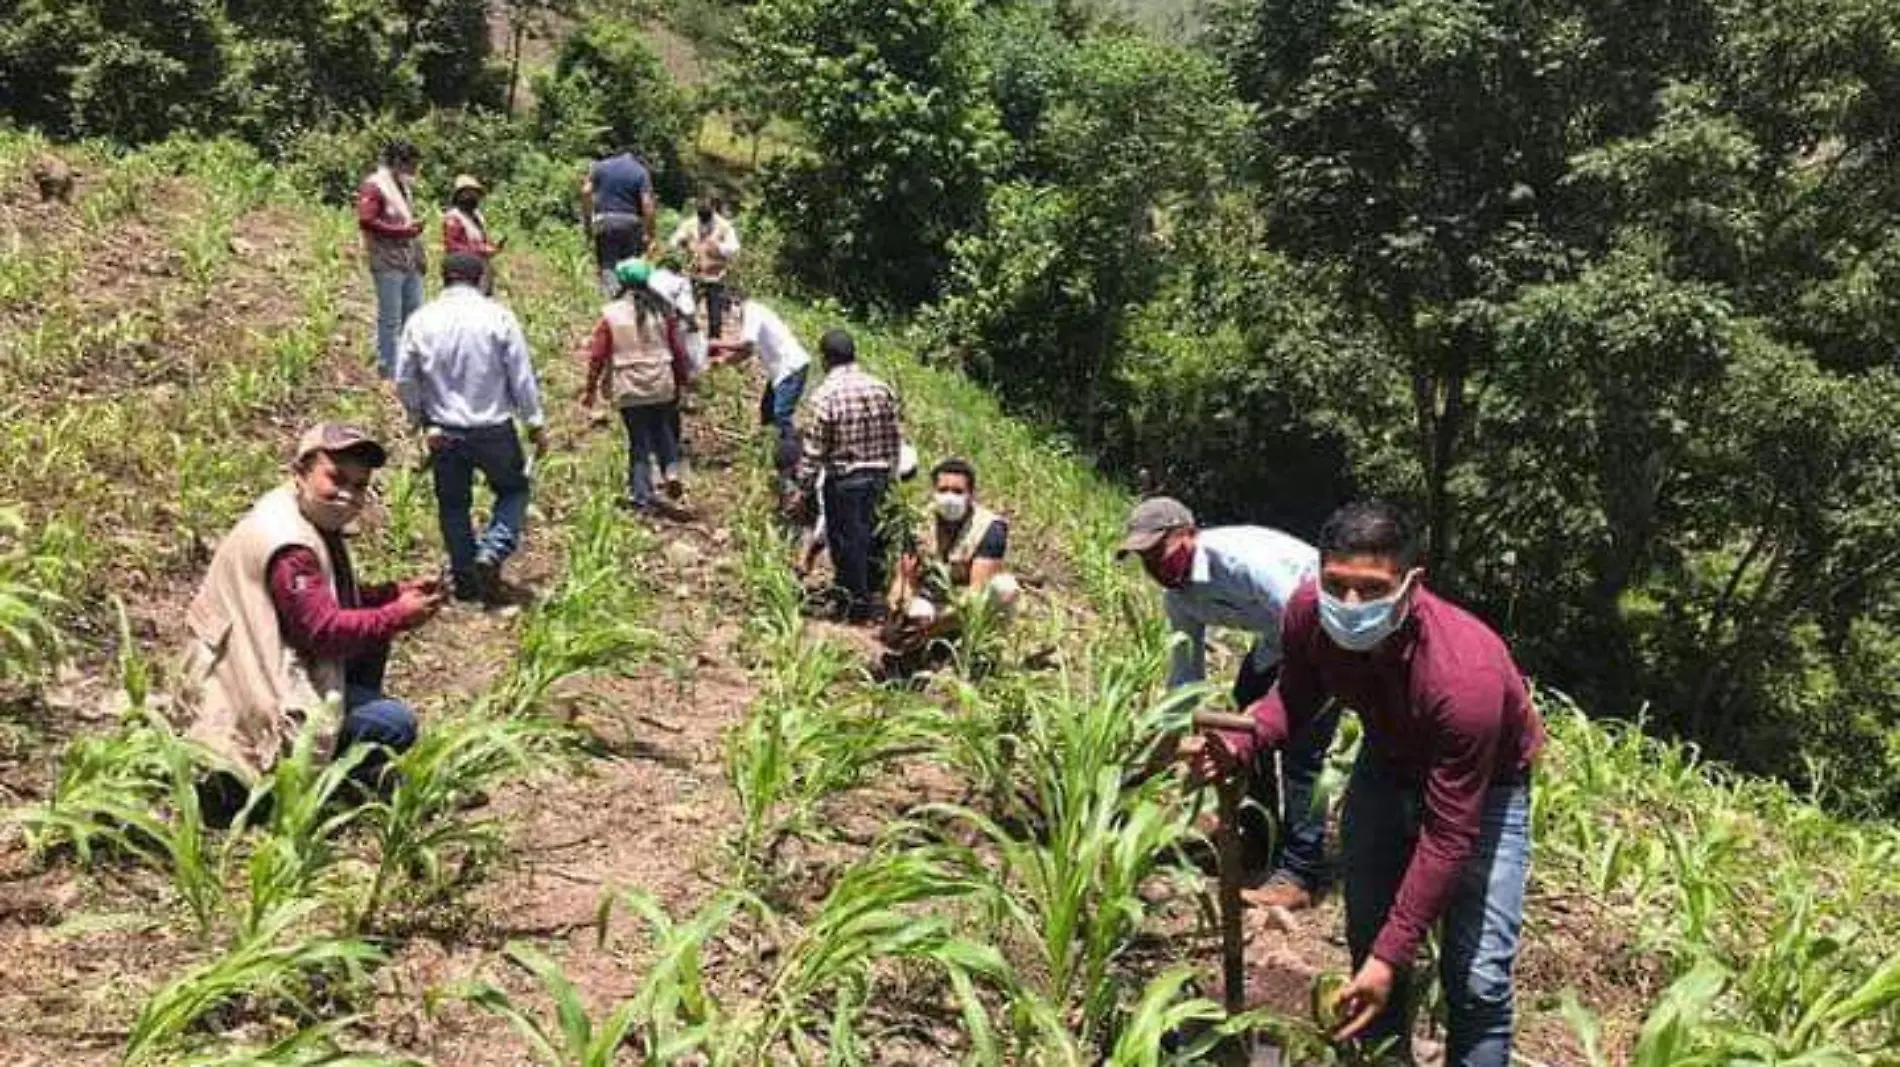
x=1241 y=578
x=960 y=555
x=1436 y=830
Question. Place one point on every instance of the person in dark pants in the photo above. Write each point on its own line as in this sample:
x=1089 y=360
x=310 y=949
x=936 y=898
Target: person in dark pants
x=280 y=628
x=617 y=206
x=464 y=377
x=1241 y=577
x=631 y=359
x=1436 y=832
x=855 y=440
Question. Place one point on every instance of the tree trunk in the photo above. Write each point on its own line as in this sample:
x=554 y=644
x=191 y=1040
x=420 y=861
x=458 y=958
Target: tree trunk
x=514 y=65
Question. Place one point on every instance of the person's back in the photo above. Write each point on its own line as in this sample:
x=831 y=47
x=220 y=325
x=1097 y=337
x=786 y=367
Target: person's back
x=620 y=185
x=640 y=367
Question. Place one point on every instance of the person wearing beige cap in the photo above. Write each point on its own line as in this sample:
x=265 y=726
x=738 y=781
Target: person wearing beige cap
x=464 y=229
x=281 y=633
x=1241 y=578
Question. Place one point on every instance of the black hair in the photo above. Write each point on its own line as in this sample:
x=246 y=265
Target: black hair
x=1371 y=528
x=838 y=348
x=463 y=267
x=400 y=151
x=955 y=465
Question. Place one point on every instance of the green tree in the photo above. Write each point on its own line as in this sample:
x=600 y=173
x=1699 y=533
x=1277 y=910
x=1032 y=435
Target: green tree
x=609 y=91
x=898 y=137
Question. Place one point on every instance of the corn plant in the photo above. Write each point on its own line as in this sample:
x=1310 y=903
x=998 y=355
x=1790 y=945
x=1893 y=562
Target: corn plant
x=312 y=1046
x=577 y=1039
x=421 y=827
x=135 y=792
x=673 y=1009
x=1067 y=884
x=309 y=801
x=272 y=965
x=29 y=640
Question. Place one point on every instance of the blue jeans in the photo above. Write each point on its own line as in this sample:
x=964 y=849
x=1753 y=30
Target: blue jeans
x=1301 y=852
x=779 y=403
x=651 y=435
x=371 y=718
x=1479 y=931
x=398 y=295
x=496 y=452
x=852 y=536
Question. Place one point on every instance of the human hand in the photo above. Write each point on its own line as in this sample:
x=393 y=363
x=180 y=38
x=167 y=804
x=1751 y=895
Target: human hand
x=538 y=436
x=1361 y=1000
x=434 y=439
x=1212 y=756
x=418 y=605
x=430 y=584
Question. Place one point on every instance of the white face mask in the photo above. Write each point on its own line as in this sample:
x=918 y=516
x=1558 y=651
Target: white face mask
x=330 y=515
x=1362 y=626
x=952 y=507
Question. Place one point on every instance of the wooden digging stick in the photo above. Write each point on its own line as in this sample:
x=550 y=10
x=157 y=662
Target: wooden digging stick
x=1233 y=944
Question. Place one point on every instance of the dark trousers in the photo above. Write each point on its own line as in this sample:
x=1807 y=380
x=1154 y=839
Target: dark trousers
x=651 y=435
x=1301 y=851
x=496 y=452
x=715 y=293
x=616 y=237
x=852 y=536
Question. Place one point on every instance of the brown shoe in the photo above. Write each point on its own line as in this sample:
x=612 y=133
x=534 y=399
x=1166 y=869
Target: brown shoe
x=1279 y=892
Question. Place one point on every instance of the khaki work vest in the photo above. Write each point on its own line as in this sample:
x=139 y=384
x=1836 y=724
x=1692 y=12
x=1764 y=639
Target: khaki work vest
x=641 y=367
x=959 y=554
x=250 y=691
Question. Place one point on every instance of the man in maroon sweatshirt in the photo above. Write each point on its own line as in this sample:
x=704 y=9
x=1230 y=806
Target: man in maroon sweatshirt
x=1436 y=828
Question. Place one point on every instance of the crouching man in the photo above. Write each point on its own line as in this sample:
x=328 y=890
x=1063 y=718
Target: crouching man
x=958 y=555
x=281 y=632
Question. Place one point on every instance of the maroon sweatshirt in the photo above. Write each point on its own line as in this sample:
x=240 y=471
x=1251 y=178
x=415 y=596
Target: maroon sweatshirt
x=315 y=619
x=1445 y=710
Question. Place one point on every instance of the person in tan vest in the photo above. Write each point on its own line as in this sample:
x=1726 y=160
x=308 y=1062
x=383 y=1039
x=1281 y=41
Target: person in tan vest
x=282 y=635
x=958 y=554
x=637 y=359
x=465 y=228
x=711 y=241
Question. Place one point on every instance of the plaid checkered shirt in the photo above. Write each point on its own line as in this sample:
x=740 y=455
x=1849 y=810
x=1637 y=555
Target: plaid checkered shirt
x=854 y=426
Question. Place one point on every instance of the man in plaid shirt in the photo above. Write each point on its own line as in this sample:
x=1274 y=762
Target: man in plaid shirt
x=854 y=439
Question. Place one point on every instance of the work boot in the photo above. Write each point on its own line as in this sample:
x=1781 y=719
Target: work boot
x=466 y=588
x=1281 y=891
x=487 y=577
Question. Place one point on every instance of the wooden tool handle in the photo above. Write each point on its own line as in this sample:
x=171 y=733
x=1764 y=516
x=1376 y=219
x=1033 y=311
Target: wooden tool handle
x=1222 y=720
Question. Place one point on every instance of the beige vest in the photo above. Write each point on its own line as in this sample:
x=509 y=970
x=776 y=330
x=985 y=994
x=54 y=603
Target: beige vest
x=641 y=371
x=250 y=692
x=393 y=253
x=959 y=554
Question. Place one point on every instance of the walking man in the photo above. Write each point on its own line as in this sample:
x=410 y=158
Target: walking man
x=281 y=632
x=1241 y=578
x=392 y=237
x=1437 y=829
x=854 y=441
x=784 y=360
x=617 y=202
x=464 y=376
x=710 y=242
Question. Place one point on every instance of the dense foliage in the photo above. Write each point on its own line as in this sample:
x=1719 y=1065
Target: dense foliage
x=899 y=137
x=1604 y=291
x=265 y=69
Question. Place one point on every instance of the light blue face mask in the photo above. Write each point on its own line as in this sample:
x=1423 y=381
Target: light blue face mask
x=1362 y=626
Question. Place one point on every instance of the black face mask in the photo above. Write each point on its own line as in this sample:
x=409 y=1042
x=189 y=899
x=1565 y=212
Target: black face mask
x=705 y=215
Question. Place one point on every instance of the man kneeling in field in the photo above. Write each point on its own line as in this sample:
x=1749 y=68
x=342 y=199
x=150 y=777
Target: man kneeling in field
x=958 y=556
x=280 y=631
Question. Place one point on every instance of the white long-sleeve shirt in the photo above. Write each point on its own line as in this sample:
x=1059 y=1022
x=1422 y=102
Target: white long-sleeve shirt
x=463 y=364
x=1242 y=578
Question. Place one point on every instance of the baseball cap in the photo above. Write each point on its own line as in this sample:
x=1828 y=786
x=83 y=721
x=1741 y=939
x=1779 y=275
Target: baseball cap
x=468 y=181
x=337 y=437
x=1152 y=520
x=463 y=266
